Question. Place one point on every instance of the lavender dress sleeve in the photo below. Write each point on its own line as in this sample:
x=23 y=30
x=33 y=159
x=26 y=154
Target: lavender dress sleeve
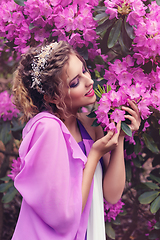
x=50 y=183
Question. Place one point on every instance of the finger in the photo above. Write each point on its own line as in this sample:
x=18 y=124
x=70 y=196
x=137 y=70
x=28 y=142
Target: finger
x=119 y=126
x=134 y=123
x=133 y=105
x=133 y=113
x=109 y=135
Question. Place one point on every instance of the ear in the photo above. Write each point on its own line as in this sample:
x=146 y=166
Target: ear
x=48 y=99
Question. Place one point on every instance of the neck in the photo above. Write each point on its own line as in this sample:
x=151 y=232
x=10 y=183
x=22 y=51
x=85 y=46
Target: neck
x=71 y=124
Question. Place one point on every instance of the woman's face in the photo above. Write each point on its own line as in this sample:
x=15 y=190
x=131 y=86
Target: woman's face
x=78 y=85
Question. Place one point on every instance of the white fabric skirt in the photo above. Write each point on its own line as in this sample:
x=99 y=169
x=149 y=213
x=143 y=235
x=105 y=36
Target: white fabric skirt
x=96 y=224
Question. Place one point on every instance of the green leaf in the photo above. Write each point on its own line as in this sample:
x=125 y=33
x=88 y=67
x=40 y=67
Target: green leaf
x=92 y=115
x=101 y=89
x=137 y=163
x=129 y=149
x=121 y=42
x=150 y=144
x=5 y=186
x=97 y=93
x=104 y=26
x=155 y=205
x=153 y=234
x=128 y=170
x=101 y=17
x=157 y=225
x=148 y=197
x=16 y=124
x=31 y=26
x=6 y=178
x=151 y=185
x=126 y=129
x=95 y=123
x=110 y=231
x=137 y=147
x=124 y=213
x=117 y=221
x=5 y=135
x=8 y=197
x=158 y=2
x=157 y=179
x=108 y=88
x=129 y=29
x=20 y=2
x=114 y=33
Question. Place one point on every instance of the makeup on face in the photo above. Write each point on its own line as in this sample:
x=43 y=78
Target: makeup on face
x=75 y=81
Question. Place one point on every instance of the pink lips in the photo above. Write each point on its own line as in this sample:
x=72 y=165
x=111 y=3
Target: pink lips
x=90 y=93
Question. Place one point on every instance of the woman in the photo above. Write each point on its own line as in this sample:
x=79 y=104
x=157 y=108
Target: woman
x=61 y=176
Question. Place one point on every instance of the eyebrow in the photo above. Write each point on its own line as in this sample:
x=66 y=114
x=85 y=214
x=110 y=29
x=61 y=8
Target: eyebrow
x=77 y=74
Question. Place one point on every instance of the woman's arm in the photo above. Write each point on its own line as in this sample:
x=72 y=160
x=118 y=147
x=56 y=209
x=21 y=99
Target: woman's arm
x=99 y=148
x=114 y=177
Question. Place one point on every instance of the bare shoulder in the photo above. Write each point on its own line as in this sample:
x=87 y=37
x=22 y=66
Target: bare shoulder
x=94 y=132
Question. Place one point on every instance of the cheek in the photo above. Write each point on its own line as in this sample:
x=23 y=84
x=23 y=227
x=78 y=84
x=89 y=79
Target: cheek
x=76 y=94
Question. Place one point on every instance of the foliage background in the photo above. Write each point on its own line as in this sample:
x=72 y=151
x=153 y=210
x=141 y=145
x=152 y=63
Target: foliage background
x=105 y=33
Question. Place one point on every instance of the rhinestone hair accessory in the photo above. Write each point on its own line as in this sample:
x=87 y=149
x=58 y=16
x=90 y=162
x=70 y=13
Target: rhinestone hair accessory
x=38 y=66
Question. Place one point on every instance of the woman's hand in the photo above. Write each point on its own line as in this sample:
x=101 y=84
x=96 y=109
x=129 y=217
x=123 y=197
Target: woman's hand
x=106 y=143
x=134 y=116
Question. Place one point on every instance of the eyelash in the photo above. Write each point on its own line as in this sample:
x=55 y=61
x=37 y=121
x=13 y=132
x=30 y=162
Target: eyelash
x=74 y=84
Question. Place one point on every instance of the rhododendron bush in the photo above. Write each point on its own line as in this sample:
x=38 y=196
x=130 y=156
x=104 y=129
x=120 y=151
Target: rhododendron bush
x=120 y=41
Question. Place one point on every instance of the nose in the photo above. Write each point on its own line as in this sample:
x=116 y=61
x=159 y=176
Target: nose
x=88 y=79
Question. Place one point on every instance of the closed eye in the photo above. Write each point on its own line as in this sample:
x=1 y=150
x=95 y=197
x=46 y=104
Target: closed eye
x=74 y=83
x=76 y=80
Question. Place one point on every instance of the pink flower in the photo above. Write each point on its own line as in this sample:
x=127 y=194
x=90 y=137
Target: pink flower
x=146 y=125
x=125 y=77
x=118 y=66
x=131 y=141
x=16 y=168
x=140 y=58
x=76 y=40
x=111 y=127
x=17 y=18
x=89 y=35
x=152 y=26
x=102 y=118
x=112 y=210
x=144 y=110
x=112 y=12
x=133 y=18
x=114 y=97
x=55 y=2
x=129 y=60
x=133 y=92
x=110 y=76
x=118 y=115
x=7 y=108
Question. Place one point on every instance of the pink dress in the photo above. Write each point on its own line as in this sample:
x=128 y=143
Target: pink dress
x=50 y=182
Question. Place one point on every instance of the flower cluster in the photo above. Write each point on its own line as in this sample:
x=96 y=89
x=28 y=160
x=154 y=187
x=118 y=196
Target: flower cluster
x=133 y=9
x=131 y=83
x=147 y=36
x=38 y=19
x=112 y=210
x=7 y=108
x=150 y=225
x=16 y=168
